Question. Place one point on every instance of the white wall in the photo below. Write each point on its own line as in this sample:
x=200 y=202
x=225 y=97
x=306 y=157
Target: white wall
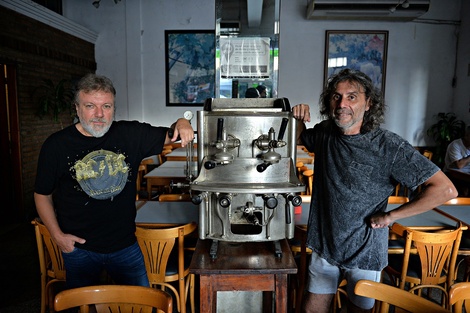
x=420 y=65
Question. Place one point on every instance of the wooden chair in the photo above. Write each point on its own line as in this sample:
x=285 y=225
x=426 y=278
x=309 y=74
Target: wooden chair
x=51 y=264
x=387 y=296
x=401 y=190
x=114 y=299
x=459 y=296
x=397 y=200
x=308 y=174
x=165 y=197
x=464 y=248
x=428 y=154
x=458 y=201
x=428 y=260
x=298 y=166
x=140 y=180
x=166 y=262
x=162 y=155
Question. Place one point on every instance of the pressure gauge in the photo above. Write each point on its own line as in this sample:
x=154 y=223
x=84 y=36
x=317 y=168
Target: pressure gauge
x=188 y=115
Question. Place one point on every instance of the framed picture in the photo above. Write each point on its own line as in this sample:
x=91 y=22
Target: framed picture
x=190 y=67
x=360 y=50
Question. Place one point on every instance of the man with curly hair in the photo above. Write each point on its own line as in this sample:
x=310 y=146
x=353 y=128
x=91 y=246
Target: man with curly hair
x=357 y=166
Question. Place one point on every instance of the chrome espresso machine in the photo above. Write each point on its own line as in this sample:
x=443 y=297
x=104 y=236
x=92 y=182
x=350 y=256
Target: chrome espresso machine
x=246 y=186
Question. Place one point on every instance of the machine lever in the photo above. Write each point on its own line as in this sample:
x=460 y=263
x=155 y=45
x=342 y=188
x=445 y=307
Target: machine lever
x=283 y=129
x=220 y=128
x=262 y=167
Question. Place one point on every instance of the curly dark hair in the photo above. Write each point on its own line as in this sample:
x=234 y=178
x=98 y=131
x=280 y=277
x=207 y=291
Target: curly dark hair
x=376 y=113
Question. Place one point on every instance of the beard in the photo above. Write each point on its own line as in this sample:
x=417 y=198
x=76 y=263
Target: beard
x=99 y=131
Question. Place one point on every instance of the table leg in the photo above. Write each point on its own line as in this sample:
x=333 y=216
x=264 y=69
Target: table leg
x=208 y=297
x=281 y=292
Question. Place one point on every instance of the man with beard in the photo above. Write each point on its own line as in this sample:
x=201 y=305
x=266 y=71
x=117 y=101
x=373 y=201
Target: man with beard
x=85 y=186
x=357 y=166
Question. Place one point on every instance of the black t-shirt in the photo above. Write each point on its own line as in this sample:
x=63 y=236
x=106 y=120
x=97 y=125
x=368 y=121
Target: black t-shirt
x=354 y=176
x=93 y=181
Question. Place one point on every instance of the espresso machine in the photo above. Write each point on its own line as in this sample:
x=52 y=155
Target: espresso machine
x=246 y=186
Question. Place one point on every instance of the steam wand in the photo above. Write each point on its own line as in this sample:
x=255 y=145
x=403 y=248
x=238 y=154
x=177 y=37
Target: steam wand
x=271 y=157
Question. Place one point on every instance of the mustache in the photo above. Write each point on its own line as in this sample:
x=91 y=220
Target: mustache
x=342 y=111
x=99 y=120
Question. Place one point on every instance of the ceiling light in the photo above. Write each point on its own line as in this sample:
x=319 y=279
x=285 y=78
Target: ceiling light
x=96 y=3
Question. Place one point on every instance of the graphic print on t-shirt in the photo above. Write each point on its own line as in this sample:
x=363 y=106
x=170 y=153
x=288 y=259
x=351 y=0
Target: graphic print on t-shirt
x=102 y=174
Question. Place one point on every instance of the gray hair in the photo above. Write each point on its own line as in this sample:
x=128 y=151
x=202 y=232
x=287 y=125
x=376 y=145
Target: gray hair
x=92 y=82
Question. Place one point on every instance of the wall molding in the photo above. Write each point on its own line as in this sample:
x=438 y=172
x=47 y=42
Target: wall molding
x=46 y=16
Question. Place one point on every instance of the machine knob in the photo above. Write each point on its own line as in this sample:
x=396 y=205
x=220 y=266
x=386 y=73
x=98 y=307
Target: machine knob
x=209 y=165
x=295 y=200
x=271 y=202
x=262 y=167
x=196 y=199
x=225 y=201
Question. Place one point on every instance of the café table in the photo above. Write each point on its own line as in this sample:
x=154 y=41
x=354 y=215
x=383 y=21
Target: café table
x=165 y=174
x=166 y=212
x=457 y=212
x=179 y=154
x=185 y=212
x=428 y=220
x=462 y=174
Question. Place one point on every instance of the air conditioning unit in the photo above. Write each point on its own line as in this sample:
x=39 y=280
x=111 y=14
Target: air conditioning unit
x=381 y=10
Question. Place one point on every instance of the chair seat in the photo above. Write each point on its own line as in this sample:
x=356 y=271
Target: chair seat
x=172 y=266
x=395 y=261
x=396 y=244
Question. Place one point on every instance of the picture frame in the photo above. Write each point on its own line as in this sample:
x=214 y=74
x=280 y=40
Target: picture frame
x=190 y=67
x=360 y=50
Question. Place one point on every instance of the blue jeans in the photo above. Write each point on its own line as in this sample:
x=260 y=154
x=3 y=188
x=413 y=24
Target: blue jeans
x=124 y=267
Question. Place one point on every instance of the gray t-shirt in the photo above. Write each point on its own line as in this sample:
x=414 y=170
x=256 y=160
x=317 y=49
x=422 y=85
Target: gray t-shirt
x=354 y=176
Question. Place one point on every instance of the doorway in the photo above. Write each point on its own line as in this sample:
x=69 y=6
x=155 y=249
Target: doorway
x=10 y=164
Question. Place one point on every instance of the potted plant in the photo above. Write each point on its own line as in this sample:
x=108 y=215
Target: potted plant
x=446 y=129
x=54 y=99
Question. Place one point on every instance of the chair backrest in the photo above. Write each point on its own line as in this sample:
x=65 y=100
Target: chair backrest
x=141 y=172
x=390 y=295
x=437 y=253
x=298 y=166
x=51 y=264
x=308 y=174
x=114 y=299
x=157 y=243
x=398 y=200
x=459 y=296
x=428 y=154
x=50 y=259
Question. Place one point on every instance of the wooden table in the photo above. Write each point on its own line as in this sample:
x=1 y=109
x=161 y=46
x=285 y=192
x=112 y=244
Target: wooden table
x=461 y=175
x=165 y=174
x=179 y=154
x=246 y=266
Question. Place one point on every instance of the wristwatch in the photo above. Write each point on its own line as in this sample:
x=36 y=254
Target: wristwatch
x=188 y=115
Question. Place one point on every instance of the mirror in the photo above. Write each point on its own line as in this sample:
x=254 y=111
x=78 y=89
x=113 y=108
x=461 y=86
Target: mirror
x=247 y=43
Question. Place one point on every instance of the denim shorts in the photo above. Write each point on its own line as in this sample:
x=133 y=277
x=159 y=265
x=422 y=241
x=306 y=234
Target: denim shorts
x=124 y=267
x=324 y=278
